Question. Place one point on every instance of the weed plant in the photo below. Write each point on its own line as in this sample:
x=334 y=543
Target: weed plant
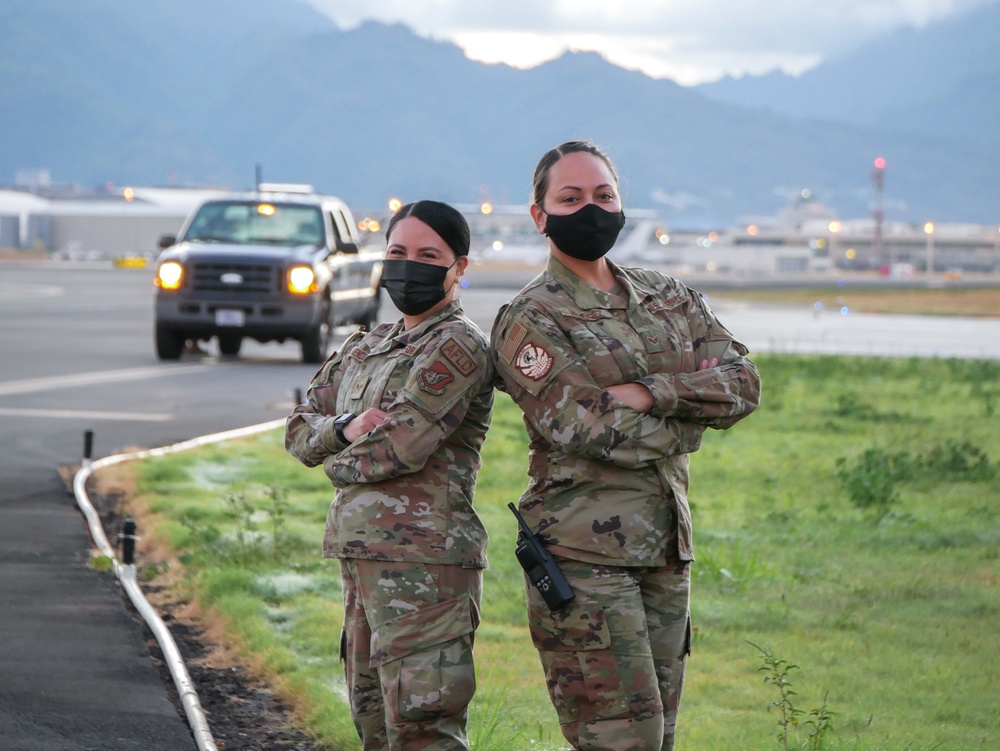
x=851 y=524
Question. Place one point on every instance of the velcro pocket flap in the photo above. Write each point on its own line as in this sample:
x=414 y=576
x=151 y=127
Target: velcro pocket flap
x=421 y=629
x=579 y=627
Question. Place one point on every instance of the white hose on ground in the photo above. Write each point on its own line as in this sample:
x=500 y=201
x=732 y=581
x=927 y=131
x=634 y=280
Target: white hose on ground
x=126 y=573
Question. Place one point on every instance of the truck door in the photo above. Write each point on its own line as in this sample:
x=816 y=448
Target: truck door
x=346 y=269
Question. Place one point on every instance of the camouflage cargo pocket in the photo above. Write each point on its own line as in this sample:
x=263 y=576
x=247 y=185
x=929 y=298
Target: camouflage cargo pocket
x=582 y=671
x=425 y=661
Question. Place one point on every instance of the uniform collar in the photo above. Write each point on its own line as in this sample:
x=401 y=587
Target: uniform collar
x=587 y=297
x=398 y=336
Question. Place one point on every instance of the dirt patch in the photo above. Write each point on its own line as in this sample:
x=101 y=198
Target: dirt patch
x=242 y=714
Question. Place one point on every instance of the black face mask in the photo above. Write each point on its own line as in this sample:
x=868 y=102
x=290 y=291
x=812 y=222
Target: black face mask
x=414 y=287
x=586 y=234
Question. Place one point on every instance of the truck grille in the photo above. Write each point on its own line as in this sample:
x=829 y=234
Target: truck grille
x=257 y=279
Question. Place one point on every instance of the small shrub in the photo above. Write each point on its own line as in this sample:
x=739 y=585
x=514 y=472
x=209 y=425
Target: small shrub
x=819 y=724
x=281 y=543
x=820 y=719
x=871 y=482
x=246 y=545
x=848 y=405
x=777 y=675
x=959 y=460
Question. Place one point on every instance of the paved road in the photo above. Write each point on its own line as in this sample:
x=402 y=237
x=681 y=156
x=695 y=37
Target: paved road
x=76 y=353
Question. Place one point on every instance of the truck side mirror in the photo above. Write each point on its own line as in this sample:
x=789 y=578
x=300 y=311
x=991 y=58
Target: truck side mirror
x=347 y=247
x=166 y=241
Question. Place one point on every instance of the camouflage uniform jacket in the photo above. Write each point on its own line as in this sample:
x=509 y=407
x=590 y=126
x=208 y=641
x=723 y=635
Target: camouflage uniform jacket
x=404 y=491
x=609 y=483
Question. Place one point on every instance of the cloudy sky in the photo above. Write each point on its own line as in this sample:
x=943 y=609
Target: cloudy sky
x=690 y=41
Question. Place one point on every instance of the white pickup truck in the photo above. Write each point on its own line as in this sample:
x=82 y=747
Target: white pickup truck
x=278 y=263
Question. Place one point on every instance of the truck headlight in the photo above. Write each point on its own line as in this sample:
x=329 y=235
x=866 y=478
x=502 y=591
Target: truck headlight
x=301 y=280
x=169 y=275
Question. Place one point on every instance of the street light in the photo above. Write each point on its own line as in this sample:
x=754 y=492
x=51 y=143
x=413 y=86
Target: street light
x=929 y=231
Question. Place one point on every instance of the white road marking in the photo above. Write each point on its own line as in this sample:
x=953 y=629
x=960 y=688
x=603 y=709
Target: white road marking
x=34 y=385
x=29 y=291
x=72 y=414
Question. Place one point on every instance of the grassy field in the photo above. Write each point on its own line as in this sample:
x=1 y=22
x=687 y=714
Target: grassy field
x=851 y=528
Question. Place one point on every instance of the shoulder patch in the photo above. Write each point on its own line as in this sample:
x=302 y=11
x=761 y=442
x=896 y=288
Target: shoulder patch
x=514 y=339
x=533 y=361
x=435 y=378
x=455 y=354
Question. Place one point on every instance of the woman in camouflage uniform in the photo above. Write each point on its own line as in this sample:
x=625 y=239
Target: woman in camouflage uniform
x=397 y=418
x=618 y=372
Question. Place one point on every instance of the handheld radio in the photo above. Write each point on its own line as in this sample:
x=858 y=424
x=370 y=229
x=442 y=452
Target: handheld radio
x=540 y=566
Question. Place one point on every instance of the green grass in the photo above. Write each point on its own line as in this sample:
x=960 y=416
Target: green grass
x=888 y=611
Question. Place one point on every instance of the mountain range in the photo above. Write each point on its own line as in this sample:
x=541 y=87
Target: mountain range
x=192 y=93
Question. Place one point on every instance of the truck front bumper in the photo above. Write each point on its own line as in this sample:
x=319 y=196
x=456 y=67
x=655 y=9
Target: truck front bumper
x=259 y=320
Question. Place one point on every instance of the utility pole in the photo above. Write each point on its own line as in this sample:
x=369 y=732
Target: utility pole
x=878 y=211
x=996 y=251
x=929 y=231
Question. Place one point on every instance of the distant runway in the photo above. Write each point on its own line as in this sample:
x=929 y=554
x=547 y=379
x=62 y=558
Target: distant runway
x=800 y=330
x=788 y=329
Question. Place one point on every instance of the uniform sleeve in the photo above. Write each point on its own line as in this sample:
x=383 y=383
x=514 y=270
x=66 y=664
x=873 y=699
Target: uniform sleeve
x=442 y=384
x=550 y=382
x=309 y=433
x=716 y=397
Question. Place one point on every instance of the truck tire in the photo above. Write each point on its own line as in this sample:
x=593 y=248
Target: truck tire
x=316 y=342
x=169 y=342
x=229 y=344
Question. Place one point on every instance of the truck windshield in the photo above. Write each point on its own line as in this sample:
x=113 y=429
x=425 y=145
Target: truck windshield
x=256 y=223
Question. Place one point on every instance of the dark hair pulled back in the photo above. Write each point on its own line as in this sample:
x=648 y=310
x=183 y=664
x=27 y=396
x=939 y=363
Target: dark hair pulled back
x=540 y=184
x=446 y=220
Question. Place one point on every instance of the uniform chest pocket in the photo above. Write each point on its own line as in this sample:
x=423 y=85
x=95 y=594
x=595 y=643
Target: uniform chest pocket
x=372 y=383
x=354 y=393
x=666 y=335
x=654 y=338
x=607 y=351
x=621 y=349
x=630 y=356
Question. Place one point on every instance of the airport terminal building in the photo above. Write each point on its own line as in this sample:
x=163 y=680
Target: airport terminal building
x=117 y=222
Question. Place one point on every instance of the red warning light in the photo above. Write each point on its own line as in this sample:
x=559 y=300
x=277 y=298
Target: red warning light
x=879 y=163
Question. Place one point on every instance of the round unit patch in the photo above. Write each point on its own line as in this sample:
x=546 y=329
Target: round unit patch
x=533 y=361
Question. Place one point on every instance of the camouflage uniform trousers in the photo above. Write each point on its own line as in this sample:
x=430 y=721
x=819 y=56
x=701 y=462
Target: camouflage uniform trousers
x=407 y=649
x=614 y=658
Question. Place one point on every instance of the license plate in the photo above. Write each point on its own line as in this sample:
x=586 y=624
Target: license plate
x=228 y=317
